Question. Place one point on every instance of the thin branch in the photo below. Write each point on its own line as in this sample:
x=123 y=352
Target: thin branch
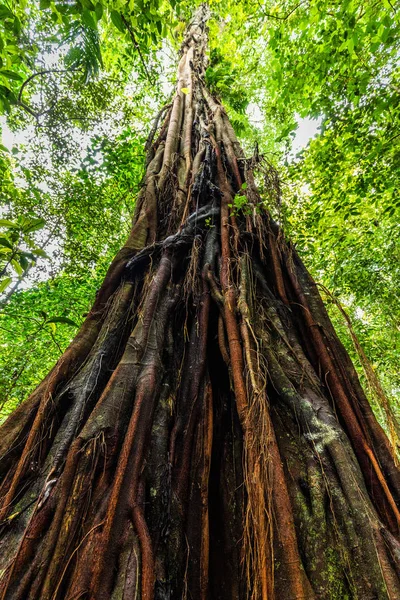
x=155 y=126
x=135 y=43
x=37 y=74
x=286 y=16
x=25 y=106
x=16 y=285
x=56 y=342
x=4 y=270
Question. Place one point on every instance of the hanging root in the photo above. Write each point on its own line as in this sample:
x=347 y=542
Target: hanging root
x=192 y=283
x=268 y=499
x=372 y=379
x=258 y=526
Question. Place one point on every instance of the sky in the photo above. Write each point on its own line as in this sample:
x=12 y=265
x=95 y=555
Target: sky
x=306 y=130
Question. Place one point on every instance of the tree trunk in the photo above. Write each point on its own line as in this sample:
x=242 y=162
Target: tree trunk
x=205 y=434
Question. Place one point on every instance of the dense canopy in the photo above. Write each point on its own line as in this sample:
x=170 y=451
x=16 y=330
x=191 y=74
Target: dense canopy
x=80 y=83
x=167 y=171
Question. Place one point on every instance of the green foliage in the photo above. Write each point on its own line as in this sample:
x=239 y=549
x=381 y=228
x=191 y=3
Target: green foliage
x=85 y=50
x=85 y=200
x=82 y=33
x=350 y=241
x=18 y=249
x=343 y=203
x=14 y=51
x=33 y=335
x=240 y=202
x=80 y=81
x=337 y=62
x=223 y=79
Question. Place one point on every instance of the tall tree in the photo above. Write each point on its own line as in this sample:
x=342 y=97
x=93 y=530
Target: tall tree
x=205 y=434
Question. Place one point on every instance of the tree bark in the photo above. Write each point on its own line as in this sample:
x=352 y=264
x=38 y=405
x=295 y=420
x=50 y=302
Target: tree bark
x=205 y=434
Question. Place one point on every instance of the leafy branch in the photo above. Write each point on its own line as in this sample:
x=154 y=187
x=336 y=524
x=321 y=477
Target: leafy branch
x=135 y=43
x=278 y=17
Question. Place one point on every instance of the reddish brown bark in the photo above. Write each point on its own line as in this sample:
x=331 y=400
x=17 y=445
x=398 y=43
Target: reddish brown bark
x=205 y=435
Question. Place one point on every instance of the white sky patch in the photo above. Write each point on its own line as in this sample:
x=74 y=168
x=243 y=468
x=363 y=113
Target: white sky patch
x=167 y=58
x=305 y=189
x=360 y=314
x=306 y=130
x=255 y=115
x=8 y=137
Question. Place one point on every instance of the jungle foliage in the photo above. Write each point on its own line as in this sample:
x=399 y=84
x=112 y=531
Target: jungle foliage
x=80 y=83
x=205 y=434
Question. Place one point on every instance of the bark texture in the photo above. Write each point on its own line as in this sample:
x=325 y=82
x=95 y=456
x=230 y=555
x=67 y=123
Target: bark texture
x=205 y=435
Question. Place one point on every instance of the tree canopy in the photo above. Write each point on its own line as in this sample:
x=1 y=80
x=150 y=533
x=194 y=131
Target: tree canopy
x=80 y=84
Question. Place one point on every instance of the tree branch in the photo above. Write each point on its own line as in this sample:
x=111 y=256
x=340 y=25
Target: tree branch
x=25 y=106
x=286 y=16
x=135 y=43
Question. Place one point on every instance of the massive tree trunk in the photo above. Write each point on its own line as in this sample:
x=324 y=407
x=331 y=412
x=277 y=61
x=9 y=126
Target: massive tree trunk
x=205 y=434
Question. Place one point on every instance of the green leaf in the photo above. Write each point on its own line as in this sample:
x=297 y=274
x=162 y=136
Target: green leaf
x=5 y=242
x=34 y=225
x=65 y=320
x=88 y=4
x=23 y=262
x=88 y=19
x=5 y=283
x=5 y=12
x=117 y=20
x=40 y=252
x=19 y=270
x=7 y=223
x=44 y=4
x=244 y=186
x=13 y=49
x=11 y=75
x=62 y=8
x=17 y=26
x=28 y=255
x=99 y=11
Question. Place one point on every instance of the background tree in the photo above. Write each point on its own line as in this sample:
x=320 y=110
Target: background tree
x=205 y=411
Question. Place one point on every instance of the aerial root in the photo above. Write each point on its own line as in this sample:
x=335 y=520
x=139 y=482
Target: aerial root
x=147 y=557
x=268 y=498
x=372 y=380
